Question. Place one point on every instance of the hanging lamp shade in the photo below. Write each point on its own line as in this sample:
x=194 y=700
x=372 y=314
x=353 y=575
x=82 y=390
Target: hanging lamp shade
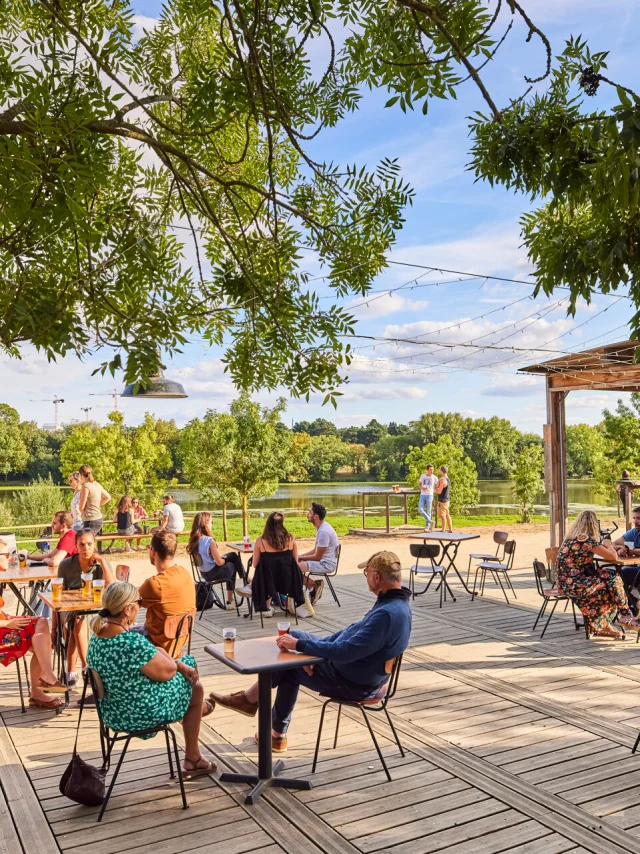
x=157 y=387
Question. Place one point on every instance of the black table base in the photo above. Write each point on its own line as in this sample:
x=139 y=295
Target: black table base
x=267 y=776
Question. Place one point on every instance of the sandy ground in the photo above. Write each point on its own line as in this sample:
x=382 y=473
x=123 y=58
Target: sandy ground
x=531 y=542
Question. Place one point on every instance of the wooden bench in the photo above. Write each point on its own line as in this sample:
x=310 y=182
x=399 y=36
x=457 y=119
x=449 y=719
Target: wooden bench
x=103 y=538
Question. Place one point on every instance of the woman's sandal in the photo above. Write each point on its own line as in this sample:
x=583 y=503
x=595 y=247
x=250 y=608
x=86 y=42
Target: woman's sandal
x=198 y=770
x=207 y=707
x=54 y=703
x=56 y=688
x=609 y=632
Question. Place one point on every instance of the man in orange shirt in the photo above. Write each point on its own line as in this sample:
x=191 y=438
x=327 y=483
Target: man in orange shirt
x=169 y=593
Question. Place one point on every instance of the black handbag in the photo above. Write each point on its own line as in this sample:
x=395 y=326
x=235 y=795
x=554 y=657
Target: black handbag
x=205 y=597
x=81 y=782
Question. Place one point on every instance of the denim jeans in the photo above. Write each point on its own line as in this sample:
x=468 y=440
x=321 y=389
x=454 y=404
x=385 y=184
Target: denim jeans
x=325 y=679
x=424 y=507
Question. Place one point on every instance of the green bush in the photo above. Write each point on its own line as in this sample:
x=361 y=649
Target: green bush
x=6 y=516
x=38 y=502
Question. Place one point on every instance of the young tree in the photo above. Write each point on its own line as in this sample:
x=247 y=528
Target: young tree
x=586 y=446
x=299 y=448
x=358 y=458
x=528 y=477
x=491 y=443
x=462 y=472
x=38 y=502
x=326 y=455
x=432 y=425
x=13 y=451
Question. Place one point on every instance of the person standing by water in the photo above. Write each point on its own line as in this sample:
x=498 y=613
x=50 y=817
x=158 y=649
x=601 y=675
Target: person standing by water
x=92 y=498
x=443 y=489
x=428 y=481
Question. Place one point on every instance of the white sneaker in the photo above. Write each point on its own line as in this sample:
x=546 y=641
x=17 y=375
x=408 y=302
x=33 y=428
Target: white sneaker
x=268 y=613
x=302 y=612
x=244 y=591
x=231 y=606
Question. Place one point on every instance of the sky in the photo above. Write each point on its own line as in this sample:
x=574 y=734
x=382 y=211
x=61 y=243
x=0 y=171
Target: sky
x=454 y=224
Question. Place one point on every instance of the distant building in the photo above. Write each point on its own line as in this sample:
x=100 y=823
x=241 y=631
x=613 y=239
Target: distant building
x=50 y=427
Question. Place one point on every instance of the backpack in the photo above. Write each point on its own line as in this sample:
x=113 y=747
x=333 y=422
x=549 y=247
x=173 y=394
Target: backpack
x=204 y=596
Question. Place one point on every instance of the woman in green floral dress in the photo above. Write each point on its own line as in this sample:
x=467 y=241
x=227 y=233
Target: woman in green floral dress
x=597 y=589
x=143 y=685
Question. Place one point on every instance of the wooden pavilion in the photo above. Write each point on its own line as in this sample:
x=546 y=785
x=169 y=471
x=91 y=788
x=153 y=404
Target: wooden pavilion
x=607 y=368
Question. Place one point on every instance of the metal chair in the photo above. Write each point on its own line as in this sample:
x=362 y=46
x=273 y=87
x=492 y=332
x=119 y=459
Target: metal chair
x=540 y=572
x=378 y=703
x=430 y=553
x=499 y=538
x=496 y=570
x=178 y=627
x=329 y=575
x=26 y=676
x=219 y=601
x=551 y=554
x=122 y=572
x=108 y=738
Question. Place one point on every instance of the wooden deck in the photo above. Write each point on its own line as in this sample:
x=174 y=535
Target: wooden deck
x=513 y=744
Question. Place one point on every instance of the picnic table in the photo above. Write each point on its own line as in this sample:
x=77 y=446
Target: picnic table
x=262 y=656
x=39 y=574
x=74 y=603
x=451 y=543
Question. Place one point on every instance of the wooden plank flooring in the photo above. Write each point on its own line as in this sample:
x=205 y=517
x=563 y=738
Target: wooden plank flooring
x=512 y=744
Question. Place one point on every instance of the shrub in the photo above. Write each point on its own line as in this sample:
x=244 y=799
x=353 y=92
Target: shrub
x=38 y=502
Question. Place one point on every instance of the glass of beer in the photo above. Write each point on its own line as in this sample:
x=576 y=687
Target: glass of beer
x=229 y=638
x=283 y=628
x=56 y=589
x=98 y=586
x=86 y=583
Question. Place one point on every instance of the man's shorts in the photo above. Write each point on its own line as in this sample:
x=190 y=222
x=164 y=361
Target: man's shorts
x=319 y=567
x=443 y=507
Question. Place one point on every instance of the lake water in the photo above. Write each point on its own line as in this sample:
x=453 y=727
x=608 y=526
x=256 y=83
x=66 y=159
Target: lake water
x=344 y=499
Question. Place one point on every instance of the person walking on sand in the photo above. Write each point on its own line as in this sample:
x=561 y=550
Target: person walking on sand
x=443 y=490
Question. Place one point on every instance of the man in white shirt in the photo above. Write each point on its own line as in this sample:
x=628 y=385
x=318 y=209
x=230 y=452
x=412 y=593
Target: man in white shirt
x=428 y=481
x=172 y=518
x=324 y=556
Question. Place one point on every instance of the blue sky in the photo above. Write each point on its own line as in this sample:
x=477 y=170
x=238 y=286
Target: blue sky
x=454 y=224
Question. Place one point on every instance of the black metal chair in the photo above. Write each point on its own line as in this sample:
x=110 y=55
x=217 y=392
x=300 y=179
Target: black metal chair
x=108 y=739
x=549 y=595
x=198 y=578
x=329 y=575
x=26 y=676
x=496 y=570
x=432 y=569
x=378 y=703
x=499 y=538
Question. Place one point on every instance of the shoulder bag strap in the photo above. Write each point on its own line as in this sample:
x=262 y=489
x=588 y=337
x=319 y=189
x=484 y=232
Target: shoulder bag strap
x=84 y=694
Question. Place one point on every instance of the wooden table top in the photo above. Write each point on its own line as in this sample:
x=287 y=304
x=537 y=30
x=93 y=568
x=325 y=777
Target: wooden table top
x=620 y=561
x=72 y=600
x=258 y=655
x=30 y=573
x=445 y=536
x=239 y=547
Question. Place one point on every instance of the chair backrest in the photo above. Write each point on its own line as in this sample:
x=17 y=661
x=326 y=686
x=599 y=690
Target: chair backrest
x=338 y=553
x=97 y=688
x=179 y=626
x=500 y=537
x=510 y=550
x=424 y=551
x=393 y=679
x=122 y=572
x=540 y=571
x=97 y=685
x=551 y=555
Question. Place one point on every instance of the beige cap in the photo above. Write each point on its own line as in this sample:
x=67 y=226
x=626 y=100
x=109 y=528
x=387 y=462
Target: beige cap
x=382 y=562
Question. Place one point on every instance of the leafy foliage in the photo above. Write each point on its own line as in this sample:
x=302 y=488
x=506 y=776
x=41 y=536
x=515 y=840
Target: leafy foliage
x=462 y=471
x=13 y=451
x=527 y=474
x=38 y=502
x=586 y=446
x=326 y=455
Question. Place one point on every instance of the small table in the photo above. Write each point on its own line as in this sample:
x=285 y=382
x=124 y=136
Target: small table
x=262 y=656
x=239 y=547
x=75 y=604
x=451 y=542
x=38 y=574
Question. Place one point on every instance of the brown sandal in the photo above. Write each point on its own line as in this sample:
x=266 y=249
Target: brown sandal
x=54 y=703
x=56 y=688
x=198 y=770
x=609 y=632
x=207 y=707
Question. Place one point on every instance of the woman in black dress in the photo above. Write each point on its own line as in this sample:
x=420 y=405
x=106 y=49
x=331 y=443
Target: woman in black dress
x=275 y=564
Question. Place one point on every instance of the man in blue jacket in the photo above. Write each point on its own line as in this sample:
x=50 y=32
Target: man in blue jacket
x=355 y=665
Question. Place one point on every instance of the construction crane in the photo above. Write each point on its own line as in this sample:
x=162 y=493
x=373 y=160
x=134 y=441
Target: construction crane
x=86 y=410
x=115 y=394
x=56 y=402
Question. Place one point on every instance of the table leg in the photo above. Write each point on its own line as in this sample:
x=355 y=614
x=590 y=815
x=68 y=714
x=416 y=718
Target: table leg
x=27 y=607
x=267 y=771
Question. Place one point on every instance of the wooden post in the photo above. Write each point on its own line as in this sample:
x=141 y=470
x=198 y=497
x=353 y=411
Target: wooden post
x=556 y=463
x=406 y=510
x=363 y=513
x=628 y=503
x=386 y=501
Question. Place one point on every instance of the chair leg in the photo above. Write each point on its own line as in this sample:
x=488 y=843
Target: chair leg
x=635 y=746
x=166 y=736
x=333 y=592
x=114 y=778
x=575 y=616
x=185 y=805
x=510 y=583
x=26 y=674
x=541 y=612
x=335 y=737
x=315 y=755
x=549 y=620
x=22 y=705
x=496 y=578
x=395 y=734
x=475 y=585
x=375 y=741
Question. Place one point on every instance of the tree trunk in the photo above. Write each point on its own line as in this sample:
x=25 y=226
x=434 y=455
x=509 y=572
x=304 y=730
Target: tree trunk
x=225 y=532
x=245 y=528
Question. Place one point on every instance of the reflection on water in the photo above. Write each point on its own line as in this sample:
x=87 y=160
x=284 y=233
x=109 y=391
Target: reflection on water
x=496 y=497
x=345 y=499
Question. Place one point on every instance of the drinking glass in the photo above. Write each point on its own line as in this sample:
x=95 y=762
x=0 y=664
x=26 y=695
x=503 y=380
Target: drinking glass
x=229 y=638
x=56 y=589
x=283 y=628
x=98 y=587
x=86 y=583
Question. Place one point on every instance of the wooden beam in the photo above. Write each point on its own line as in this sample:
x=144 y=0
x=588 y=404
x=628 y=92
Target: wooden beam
x=627 y=380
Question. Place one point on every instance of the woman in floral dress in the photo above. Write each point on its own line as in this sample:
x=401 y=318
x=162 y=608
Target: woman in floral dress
x=143 y=685
x=596 y=589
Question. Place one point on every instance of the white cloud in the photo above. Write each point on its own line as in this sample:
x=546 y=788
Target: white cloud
x=381 y=305
x=142 y=23
x=401 y=392
x=517 y=386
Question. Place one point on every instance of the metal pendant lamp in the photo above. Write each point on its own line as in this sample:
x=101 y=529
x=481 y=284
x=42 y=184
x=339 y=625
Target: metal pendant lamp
x=158 y=387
